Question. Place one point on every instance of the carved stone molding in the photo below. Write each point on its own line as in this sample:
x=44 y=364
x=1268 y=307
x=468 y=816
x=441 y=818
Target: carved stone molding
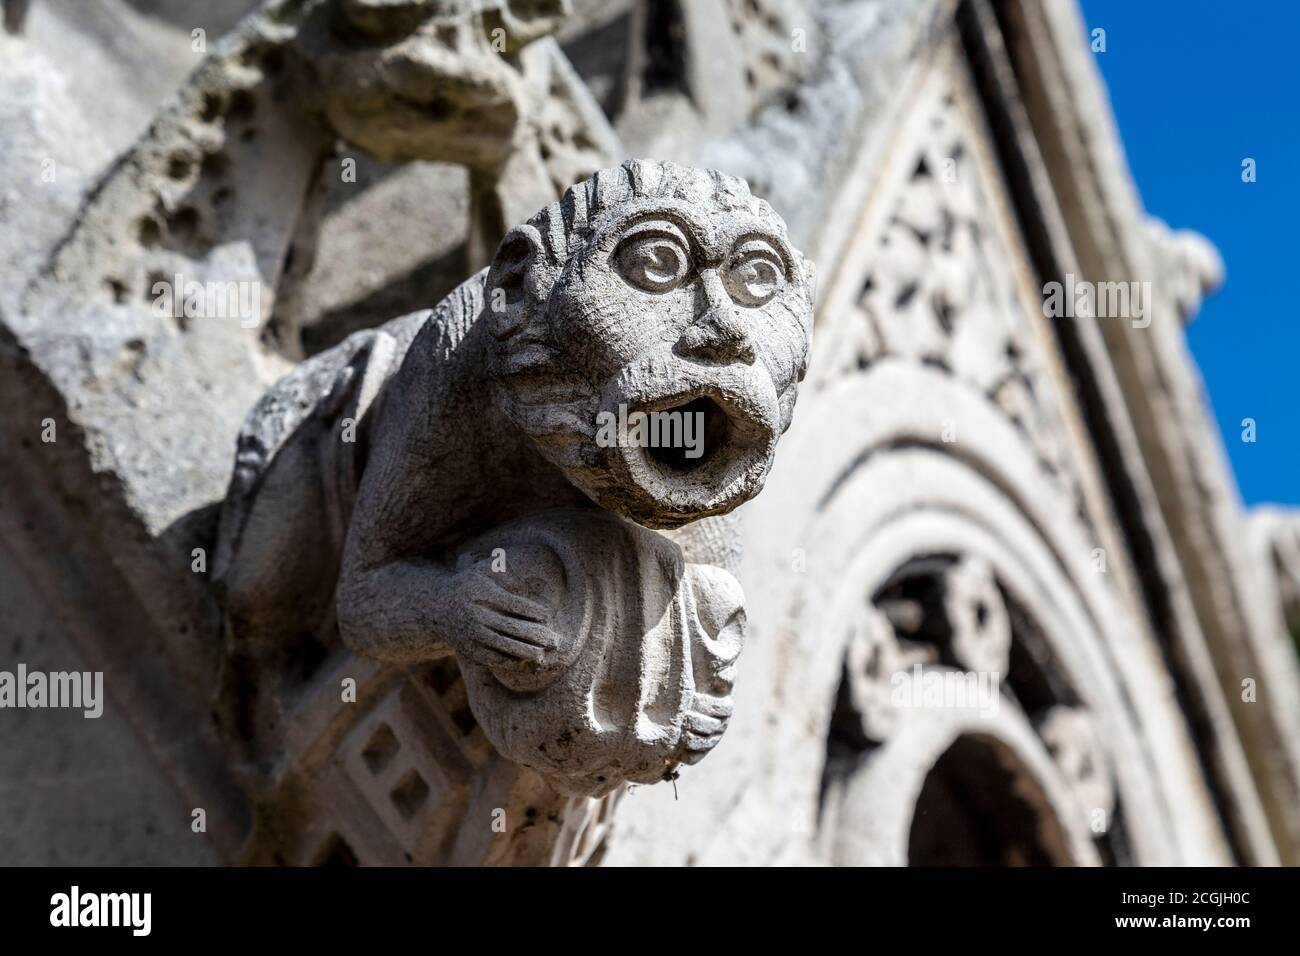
x=935 y=528
x=937 y=292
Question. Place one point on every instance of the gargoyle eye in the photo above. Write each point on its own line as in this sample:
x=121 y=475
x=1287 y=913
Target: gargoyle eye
x=655 y=262
x=754 y=277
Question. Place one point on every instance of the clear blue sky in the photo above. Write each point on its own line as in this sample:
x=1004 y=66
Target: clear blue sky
x=1197 y=86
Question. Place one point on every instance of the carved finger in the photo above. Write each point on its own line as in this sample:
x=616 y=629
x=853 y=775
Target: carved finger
x=491 y=594
x=699 y=742
x=701 y=724
x=504 y=644
x=712 y=706
x=517 y=629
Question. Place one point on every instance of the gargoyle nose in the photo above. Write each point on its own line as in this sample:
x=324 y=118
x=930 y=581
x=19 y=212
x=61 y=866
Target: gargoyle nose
x=717 y=334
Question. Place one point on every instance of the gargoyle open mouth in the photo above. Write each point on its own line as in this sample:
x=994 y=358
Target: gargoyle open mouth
x=703 y=427
x=701 y=448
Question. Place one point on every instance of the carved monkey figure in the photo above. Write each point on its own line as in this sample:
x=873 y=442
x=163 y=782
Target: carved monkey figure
x=366 y=476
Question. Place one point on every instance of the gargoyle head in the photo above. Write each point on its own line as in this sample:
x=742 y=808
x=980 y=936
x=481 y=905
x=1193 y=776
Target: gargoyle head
x=653 y=288
x=424 y=79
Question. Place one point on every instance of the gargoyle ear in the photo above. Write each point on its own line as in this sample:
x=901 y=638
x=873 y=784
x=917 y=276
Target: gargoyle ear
x=514 y=281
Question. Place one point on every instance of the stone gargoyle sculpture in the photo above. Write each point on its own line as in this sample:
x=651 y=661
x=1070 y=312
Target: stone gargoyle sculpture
x=440 y=485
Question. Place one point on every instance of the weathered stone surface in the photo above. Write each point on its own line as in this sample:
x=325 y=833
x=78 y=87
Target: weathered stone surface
x=997 y=600
x=421 y=466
